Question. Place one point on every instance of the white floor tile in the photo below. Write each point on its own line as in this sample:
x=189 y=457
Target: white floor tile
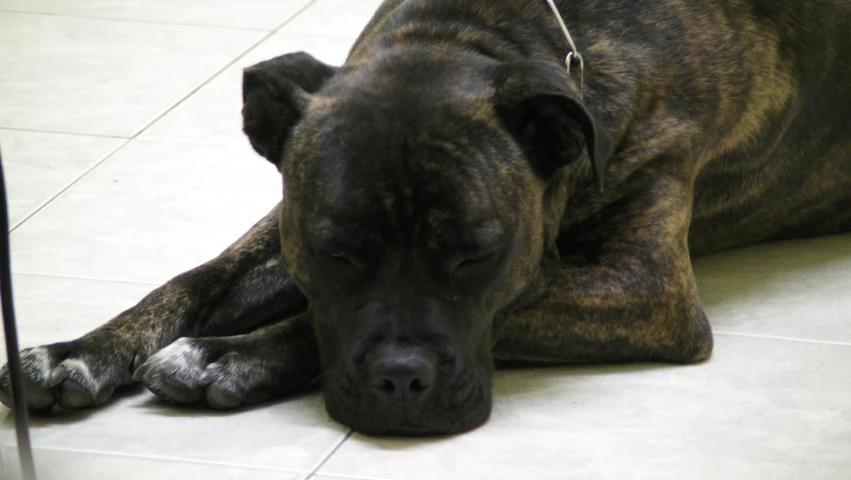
x=74 y=465
x=294 y=436
x=340 y=477
x=795 y=289
x=255 y=14
x=781 y=306
x=39 y=165
x=56 y=309
x=103 y=77
x=213 y=114
x=760 y=409
x=340 y=18
x=154 y=210
x=810 y=257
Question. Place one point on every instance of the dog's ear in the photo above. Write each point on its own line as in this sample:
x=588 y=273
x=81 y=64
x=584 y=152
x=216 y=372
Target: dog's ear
x=275 y=94
x=540 y=106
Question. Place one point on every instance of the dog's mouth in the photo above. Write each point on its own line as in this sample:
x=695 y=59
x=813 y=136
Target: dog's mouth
x=424 y=425
x=411 y=430
x=455 y=408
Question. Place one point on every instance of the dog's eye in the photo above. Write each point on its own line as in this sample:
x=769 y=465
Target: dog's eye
x=339 y=258
x=474 y=263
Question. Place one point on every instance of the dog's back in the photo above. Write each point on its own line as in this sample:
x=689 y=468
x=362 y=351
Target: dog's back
x=790 y=174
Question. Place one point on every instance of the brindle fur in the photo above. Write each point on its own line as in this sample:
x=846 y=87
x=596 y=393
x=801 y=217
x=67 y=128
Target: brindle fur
x=729 y=126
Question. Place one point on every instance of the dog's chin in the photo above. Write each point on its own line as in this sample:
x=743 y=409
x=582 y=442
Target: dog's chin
x=420 y=424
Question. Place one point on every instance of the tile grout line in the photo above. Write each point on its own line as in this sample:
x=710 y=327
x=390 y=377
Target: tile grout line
x=788 y=339
x=322 y=463
x=132 y=20
x=56 y=132
x=68 y=186
x=160 y=117
x=92 y=279
x=215 y=75
x=345 y=477
x=161 y=458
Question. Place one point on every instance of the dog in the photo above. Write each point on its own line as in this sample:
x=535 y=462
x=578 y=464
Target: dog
x=458 y=195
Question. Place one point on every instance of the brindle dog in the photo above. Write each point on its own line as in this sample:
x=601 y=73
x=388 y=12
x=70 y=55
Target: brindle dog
x=455 y=196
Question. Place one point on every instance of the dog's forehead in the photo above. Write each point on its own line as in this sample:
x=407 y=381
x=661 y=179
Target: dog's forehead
x=413 y=82
x=438 y=181
x=380 y=178
x=445 y=69
x=389 y=144
x=407 y=145
x=419 y=108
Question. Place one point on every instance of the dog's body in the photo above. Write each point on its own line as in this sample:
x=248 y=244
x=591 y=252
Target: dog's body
x=443 y=207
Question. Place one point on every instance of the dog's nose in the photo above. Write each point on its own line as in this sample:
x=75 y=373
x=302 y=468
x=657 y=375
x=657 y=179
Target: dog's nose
x=402 y=373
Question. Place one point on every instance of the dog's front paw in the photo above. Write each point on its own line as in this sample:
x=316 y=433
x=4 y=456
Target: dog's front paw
x=212 y=371
x=69 y=375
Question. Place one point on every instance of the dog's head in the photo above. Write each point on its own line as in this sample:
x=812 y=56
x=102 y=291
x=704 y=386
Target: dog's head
x=420 y=205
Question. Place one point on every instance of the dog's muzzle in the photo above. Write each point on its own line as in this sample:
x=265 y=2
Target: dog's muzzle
x=401 y=388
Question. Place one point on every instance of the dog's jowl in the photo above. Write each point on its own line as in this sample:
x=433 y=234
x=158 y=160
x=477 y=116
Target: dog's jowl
x=456 y=197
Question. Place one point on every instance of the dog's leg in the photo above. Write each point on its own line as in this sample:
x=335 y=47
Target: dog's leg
x=601 y=316
x=228 y=372
x=632 y=297
x=242 y=289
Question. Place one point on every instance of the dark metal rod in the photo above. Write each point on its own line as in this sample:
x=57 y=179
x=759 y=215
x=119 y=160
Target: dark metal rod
x=21 y=417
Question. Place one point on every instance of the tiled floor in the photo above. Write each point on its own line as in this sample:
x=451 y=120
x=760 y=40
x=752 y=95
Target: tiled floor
x=119 y=122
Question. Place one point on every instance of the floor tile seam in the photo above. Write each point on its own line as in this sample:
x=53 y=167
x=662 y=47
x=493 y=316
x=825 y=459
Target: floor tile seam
x=157 y=119
x=69 y=185
x=313 y=476
x=812 y=277
x=742 y=317
x=91 y=279
x=217 y=141
x=58 y=132
x=720 y=275
x=221 y=70
x=165 y=458
x=330 y=454
x=134 y=20
x=41 y=205
x=782 y=338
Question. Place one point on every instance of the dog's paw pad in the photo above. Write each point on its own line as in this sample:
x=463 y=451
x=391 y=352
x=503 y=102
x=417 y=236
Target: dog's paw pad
x=58 y=375
x=222 y=399
x=76 y=386
x=38 y=398
x=74 y=395
x=36 y=367
x=68 y=375
x=202 y=371
x=174 y=373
